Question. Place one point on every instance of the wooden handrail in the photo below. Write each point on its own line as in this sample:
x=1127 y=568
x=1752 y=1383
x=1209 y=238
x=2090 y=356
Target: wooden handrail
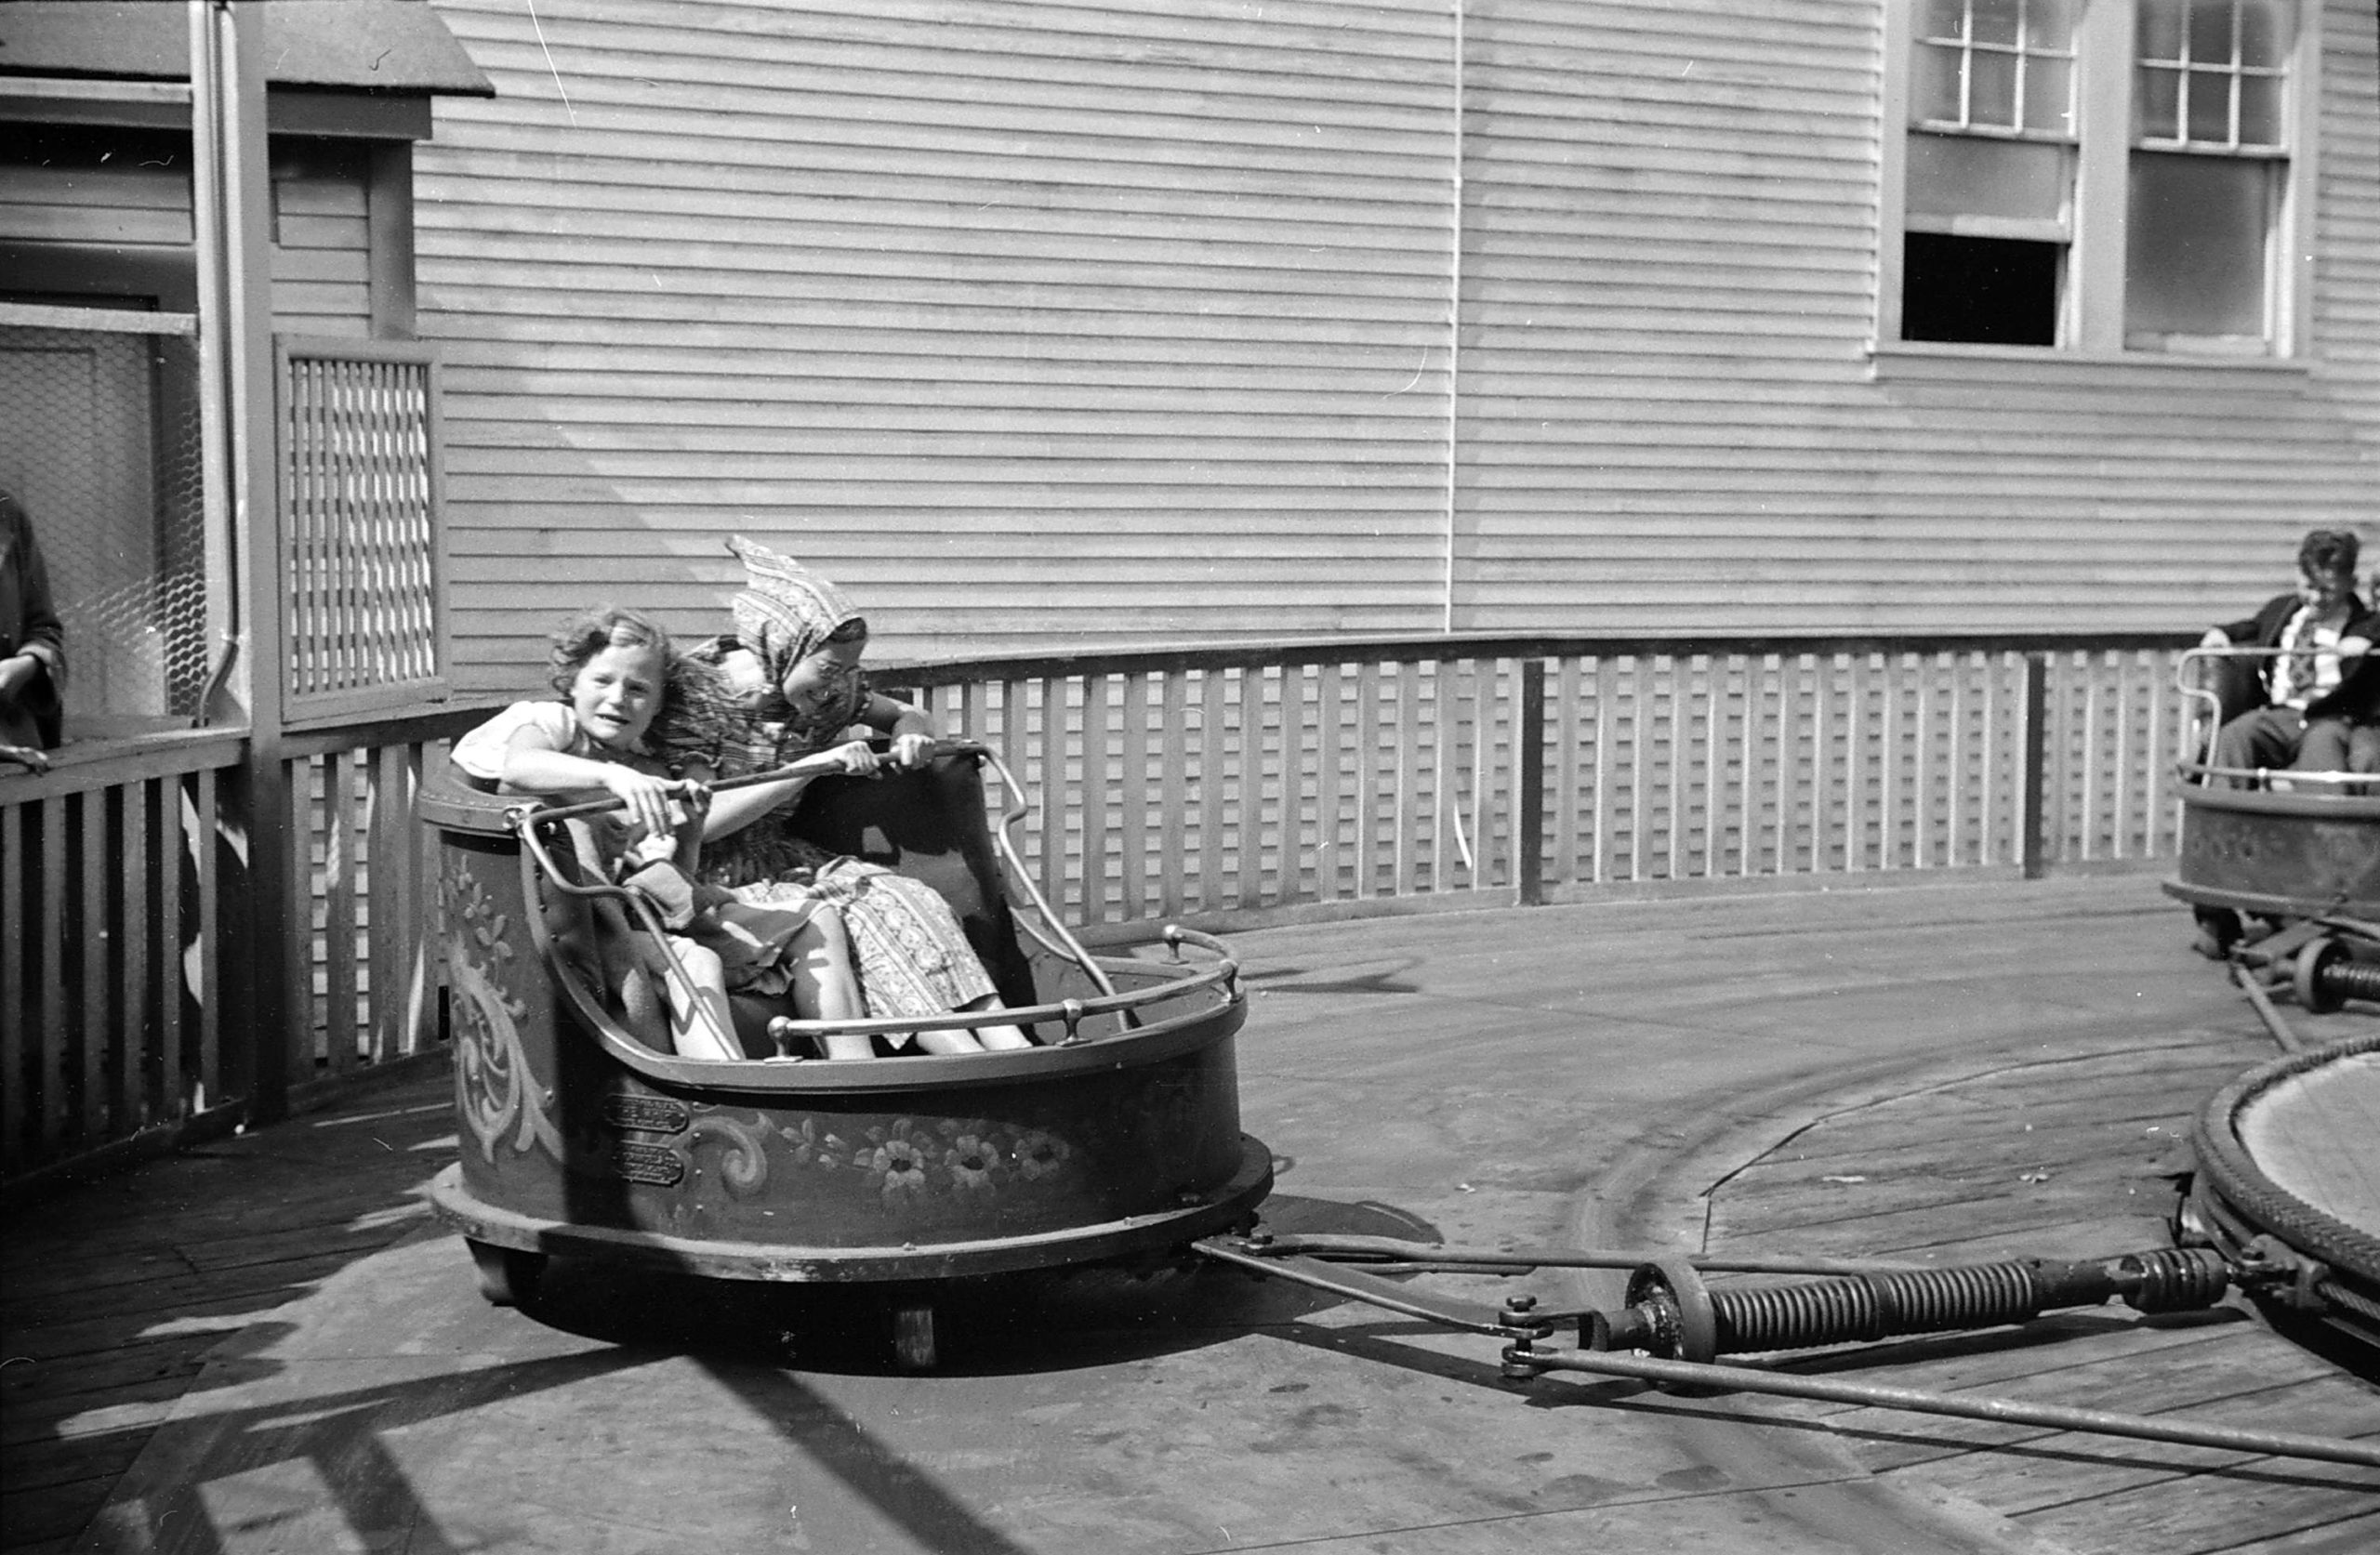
x=87 y=768
x=1452 y=646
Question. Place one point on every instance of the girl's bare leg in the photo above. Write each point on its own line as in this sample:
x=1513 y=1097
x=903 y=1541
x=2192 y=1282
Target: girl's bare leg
x=700 y=1023
x=998 y=1037
x=825 y=987
x=978 y=1040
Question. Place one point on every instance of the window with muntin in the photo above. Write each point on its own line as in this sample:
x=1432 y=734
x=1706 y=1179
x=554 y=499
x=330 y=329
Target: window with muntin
x=2096 y=174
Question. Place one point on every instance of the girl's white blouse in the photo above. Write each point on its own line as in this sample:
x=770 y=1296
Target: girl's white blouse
x=481 y=753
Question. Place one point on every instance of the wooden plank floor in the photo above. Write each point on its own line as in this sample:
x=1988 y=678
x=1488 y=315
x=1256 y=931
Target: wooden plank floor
x=2064 y=1158
x=118 y=1290
x=1956 y=1090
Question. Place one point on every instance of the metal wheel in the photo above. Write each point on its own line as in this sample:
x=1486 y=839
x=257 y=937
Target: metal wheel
x=2313 y=995
x=507 y=1275
x=1697 y=1326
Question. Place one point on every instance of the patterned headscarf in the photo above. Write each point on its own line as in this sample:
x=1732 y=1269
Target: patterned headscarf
x=786 y=611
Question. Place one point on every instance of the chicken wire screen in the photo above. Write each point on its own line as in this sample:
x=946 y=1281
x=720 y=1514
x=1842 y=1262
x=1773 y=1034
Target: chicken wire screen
x=100 y=440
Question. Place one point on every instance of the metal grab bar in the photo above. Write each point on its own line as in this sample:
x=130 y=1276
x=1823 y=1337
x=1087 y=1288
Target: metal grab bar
x=2188 y=679
x=527 y=822
x=1070 y=1012
x=1011 y=813
x=638 y=903
x=808 y=766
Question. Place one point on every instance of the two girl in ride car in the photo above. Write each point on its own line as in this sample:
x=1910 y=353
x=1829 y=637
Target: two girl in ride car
x=615 y=670
x=767 y=912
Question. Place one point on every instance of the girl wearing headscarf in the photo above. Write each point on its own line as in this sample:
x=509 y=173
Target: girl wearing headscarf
x=787 y=684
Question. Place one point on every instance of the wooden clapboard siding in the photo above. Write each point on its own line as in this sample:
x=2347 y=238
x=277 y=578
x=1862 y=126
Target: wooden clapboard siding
x=135 y=203
x=1669 y=411
x=2347 y=241
x=1110 y=320
x=1130 y=322
x=140 y=202
x=322 y=281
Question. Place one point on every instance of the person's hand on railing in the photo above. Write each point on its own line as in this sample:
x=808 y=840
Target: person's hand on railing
x=856 y=759
x=901 y=753
x=657 y=804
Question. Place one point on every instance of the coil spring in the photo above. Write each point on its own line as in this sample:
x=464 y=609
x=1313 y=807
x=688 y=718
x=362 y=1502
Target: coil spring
x=2177 y=1279
x=2350 y=980
x=1864 y=1308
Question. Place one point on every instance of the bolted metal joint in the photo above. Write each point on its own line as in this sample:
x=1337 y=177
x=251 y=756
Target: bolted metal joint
x=2273 y=1269
x=1520 y=1362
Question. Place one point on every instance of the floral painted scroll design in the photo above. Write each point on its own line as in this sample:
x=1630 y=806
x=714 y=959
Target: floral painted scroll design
x=907 y=1162
x=495 y=1089
x=744 y=1150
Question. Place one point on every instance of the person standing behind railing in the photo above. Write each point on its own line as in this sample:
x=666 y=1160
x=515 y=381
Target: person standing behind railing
x=2320 y=632
x=32 y=644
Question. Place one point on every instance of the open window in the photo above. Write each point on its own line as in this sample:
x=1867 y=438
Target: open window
x=1989 y=164
x=2097 y=175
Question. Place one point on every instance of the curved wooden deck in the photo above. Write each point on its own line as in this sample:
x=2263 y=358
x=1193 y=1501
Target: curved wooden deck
x=263 y=1345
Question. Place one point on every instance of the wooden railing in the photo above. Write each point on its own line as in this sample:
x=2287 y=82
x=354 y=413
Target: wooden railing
x=1212 y=785
x=1220 y=787
x=127 y=958
x=368 y=992
x=112 y=892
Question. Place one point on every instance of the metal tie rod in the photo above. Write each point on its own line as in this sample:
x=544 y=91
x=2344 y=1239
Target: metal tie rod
x=1348 y=1247
x=1703 y=1374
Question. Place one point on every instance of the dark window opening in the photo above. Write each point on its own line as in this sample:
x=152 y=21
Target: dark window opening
x=1982 y=291
x=89 y=148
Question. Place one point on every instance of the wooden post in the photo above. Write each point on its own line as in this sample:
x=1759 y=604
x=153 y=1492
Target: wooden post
x=264 y=953
x=2032 y=716
x=1528 y=782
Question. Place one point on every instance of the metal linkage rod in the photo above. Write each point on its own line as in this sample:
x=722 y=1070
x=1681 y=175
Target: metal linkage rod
x=1671 y=1309
x=1524 y=1360
x=1335 y=1248
x=2282 y=1032
x=1449 y=1311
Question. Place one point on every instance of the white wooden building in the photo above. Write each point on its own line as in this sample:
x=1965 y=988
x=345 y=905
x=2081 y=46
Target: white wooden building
x=1197 y=320
x=1188 y=321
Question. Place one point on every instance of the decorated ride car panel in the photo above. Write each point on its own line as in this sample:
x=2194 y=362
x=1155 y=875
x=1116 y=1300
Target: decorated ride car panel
x=1119 y=1134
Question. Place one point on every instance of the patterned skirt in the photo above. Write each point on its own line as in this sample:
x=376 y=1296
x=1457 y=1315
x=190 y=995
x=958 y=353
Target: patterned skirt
x=914 y=959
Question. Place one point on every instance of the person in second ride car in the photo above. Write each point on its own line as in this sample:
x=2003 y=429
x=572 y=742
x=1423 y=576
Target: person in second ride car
x=2320 y=633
